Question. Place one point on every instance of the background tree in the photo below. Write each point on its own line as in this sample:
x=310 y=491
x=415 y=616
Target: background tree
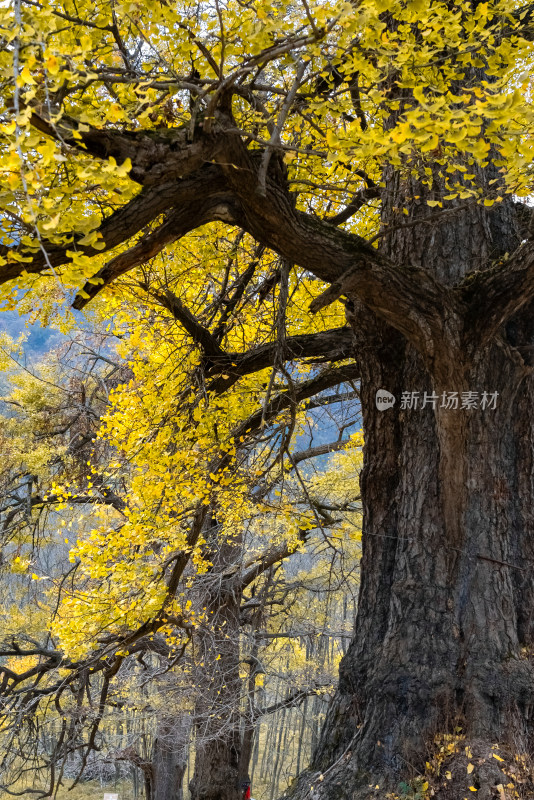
x=88 y=600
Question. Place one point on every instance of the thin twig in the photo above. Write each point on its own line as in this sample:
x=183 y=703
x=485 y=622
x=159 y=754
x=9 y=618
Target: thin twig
x=275 y=136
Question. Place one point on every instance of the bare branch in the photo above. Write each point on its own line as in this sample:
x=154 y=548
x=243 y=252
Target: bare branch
x=303 y=391
x=358 y=201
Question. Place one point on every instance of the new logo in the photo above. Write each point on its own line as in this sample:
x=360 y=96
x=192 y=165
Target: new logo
x=384 y=400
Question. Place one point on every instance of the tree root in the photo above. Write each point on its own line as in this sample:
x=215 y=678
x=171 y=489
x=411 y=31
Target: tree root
x=458 y=769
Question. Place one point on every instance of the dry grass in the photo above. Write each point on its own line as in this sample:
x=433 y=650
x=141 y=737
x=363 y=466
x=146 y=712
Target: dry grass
x=92 y=790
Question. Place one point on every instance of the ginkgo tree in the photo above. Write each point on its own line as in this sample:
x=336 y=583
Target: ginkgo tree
x=381 y=149
x=126 y=498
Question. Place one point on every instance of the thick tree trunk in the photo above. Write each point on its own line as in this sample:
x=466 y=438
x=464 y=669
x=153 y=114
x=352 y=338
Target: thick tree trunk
x=169 y=758
x=446 y=600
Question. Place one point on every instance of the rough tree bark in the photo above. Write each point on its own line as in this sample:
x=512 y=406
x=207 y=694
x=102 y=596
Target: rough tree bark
x=217 y=656
x=169 y=757
x=446 y=598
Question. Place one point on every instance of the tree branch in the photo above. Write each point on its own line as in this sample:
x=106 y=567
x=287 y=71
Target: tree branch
x=359 y=200
x=198 y=199
x=336 y=344
x=294 y=698
x=408 y=298
x=302 y=391
x=157 y=156
x=115 y=229
x=198 y=333
x=320 y=450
